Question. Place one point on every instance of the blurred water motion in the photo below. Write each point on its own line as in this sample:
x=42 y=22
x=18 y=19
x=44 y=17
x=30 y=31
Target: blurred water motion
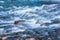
x=40 y=21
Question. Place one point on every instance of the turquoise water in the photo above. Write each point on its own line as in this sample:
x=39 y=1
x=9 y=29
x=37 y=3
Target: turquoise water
x=35 y=14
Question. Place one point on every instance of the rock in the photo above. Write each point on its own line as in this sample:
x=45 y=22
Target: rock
x=30 y=38
x=55 y=21
x=2 y=37
x=17 y=21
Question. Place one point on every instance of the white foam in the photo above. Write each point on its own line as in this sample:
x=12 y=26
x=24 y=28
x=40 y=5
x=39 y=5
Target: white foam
x=2 y=2
x=1 y=31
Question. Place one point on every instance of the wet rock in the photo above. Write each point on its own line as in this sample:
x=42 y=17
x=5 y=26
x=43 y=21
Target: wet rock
x=17 y=21
x=2 y=37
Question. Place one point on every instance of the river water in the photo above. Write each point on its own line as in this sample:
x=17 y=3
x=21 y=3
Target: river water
x=34 y=16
